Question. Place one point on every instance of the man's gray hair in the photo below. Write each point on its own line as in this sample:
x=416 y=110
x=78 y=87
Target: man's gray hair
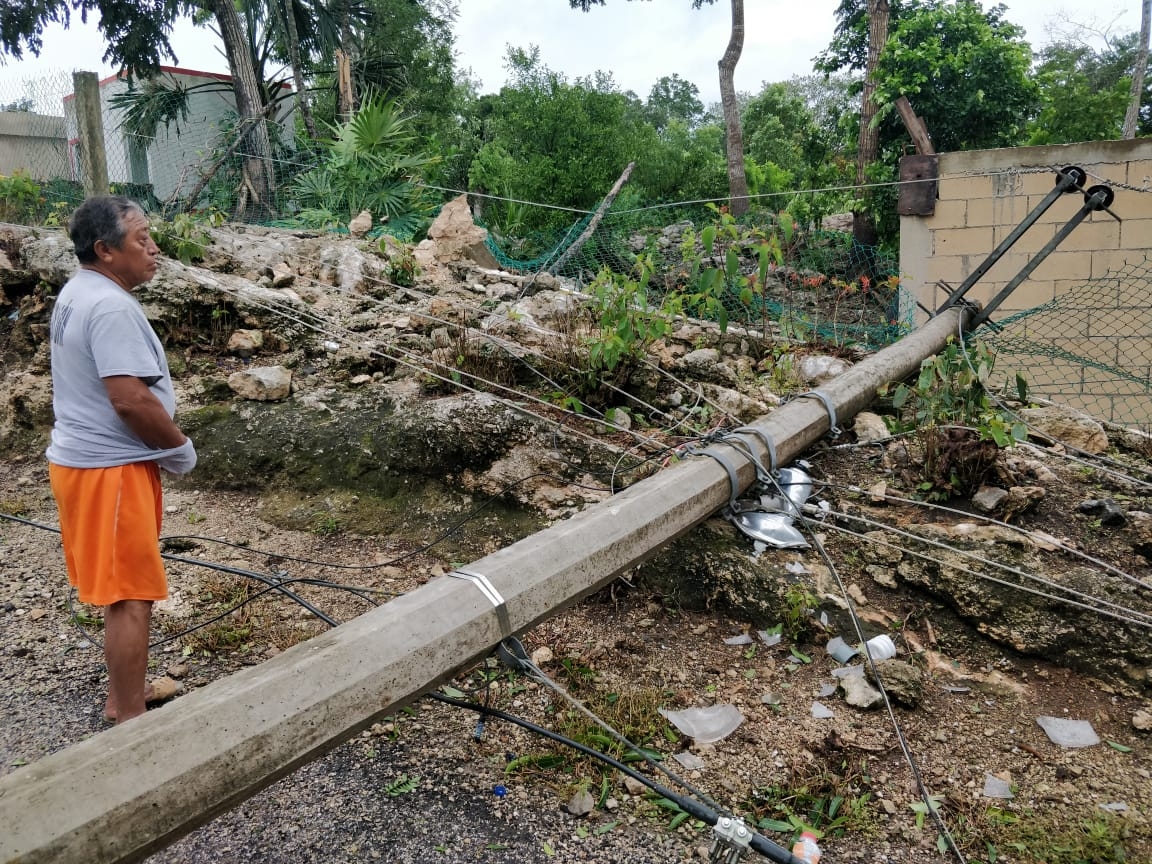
x=101 y=217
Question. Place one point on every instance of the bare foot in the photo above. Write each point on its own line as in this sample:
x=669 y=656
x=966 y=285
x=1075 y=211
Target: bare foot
x=110 y=712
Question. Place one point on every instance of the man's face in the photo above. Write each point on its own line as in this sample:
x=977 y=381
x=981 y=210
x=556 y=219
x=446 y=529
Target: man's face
x=135 y=262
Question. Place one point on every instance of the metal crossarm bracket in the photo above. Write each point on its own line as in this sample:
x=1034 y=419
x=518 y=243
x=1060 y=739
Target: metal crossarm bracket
x=1069 y=179
x=765 y=439
x=1095 y=198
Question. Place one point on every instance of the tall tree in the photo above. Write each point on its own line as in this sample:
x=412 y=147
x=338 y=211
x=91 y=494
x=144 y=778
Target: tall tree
x=135 y=31
x=257 y=183
x=1138 y=70
x=1082 y=96
x=966 y=71
x=673 y=98
x=548 y=139
x=734 y=138
x=286 y=13
x=868 y=143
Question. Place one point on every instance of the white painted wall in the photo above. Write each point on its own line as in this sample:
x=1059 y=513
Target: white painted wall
x=173 y=160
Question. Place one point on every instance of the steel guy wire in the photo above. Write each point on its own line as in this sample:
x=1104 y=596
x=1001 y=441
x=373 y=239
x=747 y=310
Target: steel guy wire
x=492 y=315
x=537 y=674
x=1120 y=184
x=508 y=200
x=905 y=748
x=1123 y=613
x=422 y=365
x=1024 y=532
x=852 y=187
x=721 y=199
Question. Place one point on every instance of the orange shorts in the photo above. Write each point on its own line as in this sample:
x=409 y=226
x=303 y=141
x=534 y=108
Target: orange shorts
x=110 y=524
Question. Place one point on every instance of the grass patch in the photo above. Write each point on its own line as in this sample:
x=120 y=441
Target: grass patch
x=997 y=834
x=828 y=801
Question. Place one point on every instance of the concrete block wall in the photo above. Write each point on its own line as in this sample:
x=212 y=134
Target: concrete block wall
x=1095 y=282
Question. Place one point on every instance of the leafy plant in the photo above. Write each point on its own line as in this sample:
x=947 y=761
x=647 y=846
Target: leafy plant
x=326 y=525
x=817 y=798
x=958 y=426
x=370 y=164
x=625 y=324
x=402 y=785
x=184 y=237
x=402 y=266
x=19 y=197
x=799 y=603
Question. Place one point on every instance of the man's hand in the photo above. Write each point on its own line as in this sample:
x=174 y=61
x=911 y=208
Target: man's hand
x=179 y=461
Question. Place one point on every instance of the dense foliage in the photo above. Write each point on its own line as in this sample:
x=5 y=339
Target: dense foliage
x=543 y=138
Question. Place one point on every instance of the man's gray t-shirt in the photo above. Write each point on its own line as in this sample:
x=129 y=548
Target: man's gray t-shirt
x=99 y=330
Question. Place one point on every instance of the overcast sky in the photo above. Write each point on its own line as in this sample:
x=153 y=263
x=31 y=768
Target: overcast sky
x=639 y=42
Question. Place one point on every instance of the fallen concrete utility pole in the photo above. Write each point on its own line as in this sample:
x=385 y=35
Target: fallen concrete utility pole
x=136 y=788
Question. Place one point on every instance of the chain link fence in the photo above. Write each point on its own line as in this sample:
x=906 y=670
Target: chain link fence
x=1091 y=348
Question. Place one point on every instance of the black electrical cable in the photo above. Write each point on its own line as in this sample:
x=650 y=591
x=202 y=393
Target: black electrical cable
x=759 y=843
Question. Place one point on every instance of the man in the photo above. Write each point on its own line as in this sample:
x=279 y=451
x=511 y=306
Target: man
x=114 y=404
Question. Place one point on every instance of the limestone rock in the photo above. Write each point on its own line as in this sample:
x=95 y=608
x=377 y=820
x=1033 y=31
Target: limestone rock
x=902 y=681
x=870 y=427
x=262 y=384
x=734 y=403
x=1139 y=532
x=859 y=693
x=705 y=364
x=880 y=550
x=1067 y=426
x=25 y=403
x=881 y=575
x=988 y=498
x=1022 y=498
x=51 y=257
x=282 y=275
x=360 y=224
x=820 y=368
x=245 y=343
x=453 y=236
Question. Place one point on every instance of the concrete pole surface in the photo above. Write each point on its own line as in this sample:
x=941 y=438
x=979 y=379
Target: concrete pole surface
x=90 y=120
x=136 y=788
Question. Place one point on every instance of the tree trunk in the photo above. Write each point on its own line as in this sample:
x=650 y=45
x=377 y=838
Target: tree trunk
x=258 y=184
x=734 y=140
x=868 y=144
x=345 y=98
x=293 y=39
x=1133 y=113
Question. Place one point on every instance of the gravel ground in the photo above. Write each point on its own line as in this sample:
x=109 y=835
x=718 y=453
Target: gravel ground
x=418 y=787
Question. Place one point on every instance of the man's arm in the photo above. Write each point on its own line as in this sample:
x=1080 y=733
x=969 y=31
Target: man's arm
x=142 y=412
